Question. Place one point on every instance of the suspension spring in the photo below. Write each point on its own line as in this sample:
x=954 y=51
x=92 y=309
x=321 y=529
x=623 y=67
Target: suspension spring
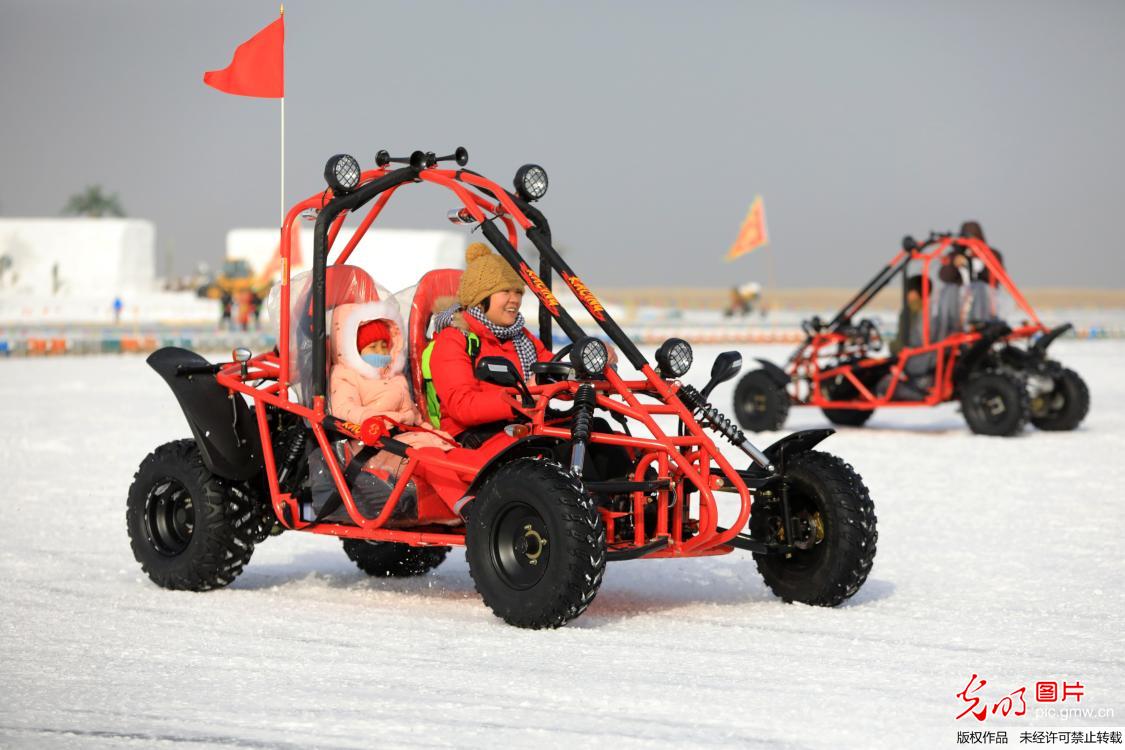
x=585 y=398
x=699 y=406
x=293 y=452
x=584 y=401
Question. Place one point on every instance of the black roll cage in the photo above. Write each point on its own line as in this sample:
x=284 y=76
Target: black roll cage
x=539 y=235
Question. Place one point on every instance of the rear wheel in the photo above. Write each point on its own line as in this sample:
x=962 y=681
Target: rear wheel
x=1065 y=407
x=995 y=403
x=840 y=388
x=760 y=403
x=848 y=417
x=392 y=559
x=833 y=530
x=188 y=528
x=535 y=543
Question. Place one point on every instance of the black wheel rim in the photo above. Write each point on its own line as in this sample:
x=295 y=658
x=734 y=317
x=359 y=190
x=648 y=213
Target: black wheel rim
x=1056 y=402
x=990 y=406
x=520 y=546
x=755 y=401
x=169 y=517
x=810 y=527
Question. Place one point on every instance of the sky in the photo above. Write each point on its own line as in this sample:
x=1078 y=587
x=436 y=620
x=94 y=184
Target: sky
x=658 y=123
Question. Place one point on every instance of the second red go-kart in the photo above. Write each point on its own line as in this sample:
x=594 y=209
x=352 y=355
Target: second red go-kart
x=999 y=373
x=537 y=522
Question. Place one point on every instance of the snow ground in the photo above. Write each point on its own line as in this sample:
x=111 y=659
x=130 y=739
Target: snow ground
x=997 y=557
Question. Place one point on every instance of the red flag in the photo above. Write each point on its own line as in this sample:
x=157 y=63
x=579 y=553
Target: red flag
x=753 y=233
x=258 y=67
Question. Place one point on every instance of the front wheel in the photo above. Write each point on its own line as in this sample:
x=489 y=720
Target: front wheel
x=1063 y=408
x=833 y=526
x=188 y=528
x=760 y=403
x=995 y=403
x=535 y=543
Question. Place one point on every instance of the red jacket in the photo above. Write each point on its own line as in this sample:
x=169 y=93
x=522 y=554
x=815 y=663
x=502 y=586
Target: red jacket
x=466 y=401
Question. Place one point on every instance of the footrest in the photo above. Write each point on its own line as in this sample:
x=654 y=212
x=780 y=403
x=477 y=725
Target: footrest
x=634 y=553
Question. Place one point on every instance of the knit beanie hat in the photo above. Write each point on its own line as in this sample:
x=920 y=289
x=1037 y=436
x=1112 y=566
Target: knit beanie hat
x=485 y=274
x=372 y=331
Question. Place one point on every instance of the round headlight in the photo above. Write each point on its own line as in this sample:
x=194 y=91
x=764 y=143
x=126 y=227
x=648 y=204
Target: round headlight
x=531 y=182
x=342 y=173
x=674 y=358
x=589 y=357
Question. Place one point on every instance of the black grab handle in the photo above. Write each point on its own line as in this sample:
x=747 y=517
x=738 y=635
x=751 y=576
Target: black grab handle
x=422 y=159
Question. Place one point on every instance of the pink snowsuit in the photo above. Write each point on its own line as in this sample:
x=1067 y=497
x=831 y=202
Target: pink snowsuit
x=357 y=391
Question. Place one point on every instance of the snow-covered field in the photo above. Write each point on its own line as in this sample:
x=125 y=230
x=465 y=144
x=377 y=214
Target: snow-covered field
x=997 y=557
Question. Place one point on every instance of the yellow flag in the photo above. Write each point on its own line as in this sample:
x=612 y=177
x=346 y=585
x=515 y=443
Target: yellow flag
x=752 y=234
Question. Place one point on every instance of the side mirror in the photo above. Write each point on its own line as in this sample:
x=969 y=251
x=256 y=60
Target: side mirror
x=726 y=366
x=242 y=355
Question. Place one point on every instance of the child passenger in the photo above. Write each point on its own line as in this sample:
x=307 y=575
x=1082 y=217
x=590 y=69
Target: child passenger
x=366 y=379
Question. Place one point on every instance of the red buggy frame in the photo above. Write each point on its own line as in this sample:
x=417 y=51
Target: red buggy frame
x=836 y=367
x=667 y=507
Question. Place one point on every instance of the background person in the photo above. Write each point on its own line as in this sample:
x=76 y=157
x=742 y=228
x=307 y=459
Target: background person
x=981 y=302
x=917 y=372
x=226 y=303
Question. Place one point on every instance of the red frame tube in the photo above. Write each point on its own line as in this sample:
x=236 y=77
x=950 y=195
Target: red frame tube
x=684 y=459
x=805 y=364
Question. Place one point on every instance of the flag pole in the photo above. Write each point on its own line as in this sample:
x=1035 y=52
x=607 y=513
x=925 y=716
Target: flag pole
x=281 y=220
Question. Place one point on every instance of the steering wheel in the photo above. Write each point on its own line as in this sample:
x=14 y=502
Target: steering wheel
x=869 y=329
x=812 y=326
x=562 y=353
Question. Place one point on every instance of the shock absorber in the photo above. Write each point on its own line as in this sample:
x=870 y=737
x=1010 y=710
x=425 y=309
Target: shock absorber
x=585 y=398
x=292 y=454
x=694 y=400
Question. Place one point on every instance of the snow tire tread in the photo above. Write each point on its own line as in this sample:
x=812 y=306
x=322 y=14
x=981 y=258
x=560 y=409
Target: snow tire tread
x=1016 y=386
x=1077 y=406
x=853 y=546
x=552 y=491
x=777 y=402
x=226 y=521
x=393 y=559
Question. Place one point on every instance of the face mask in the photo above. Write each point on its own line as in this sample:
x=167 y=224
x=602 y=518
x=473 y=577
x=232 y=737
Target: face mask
x=378 y=361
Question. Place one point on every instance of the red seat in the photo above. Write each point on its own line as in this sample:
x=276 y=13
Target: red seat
x=442 y=282
x=346 y=285
x=342 y=285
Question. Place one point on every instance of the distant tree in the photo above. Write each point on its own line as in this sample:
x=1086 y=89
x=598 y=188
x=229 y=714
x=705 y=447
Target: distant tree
x=93 y=202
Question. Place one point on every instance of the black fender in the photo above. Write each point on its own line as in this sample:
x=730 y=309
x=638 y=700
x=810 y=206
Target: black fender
x=775 y=373
x=220 y=421
x=975 y=355
x=1039 y=348
x=801 y=441
x=532 y=445
x=781 y=451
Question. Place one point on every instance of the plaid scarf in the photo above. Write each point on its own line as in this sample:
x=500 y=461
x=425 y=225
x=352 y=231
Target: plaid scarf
x=444 y=319
x=524 y=346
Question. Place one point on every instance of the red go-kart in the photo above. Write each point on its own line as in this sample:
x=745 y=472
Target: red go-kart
x=999 y=372
x=538 y=519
